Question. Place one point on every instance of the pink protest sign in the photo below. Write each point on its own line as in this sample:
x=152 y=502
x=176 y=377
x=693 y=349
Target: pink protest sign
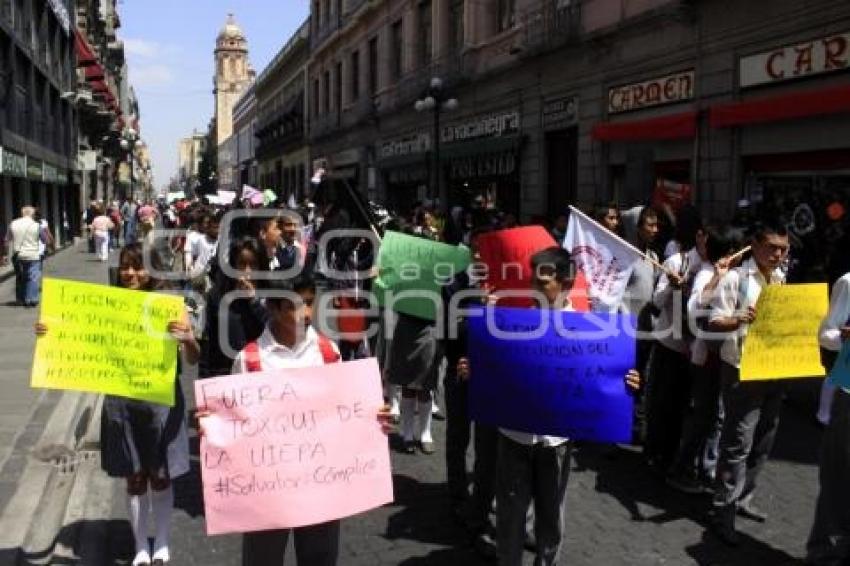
x=295 y=447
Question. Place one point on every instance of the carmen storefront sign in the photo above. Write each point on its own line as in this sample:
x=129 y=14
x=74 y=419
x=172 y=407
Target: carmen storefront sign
x=493 y=126
x=669 y=89
x=823 y=55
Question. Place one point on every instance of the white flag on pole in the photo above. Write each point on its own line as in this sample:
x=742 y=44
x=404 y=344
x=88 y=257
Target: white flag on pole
x=605 y=259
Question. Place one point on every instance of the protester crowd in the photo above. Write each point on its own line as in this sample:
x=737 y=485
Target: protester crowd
x=693 y=294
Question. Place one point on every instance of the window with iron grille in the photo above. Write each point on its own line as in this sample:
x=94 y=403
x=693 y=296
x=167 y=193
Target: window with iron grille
x=425 y=33
x=397 y=50
x=354 y=71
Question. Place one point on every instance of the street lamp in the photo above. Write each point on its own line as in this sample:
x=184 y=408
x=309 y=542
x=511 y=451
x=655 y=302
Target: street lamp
x=437 y=101
x=129 y=141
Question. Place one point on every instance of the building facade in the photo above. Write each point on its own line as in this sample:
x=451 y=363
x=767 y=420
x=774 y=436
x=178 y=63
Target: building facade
x=567 y=101
x=282 y=150
x=244 y=135
x=37 y=115
x=191 y=152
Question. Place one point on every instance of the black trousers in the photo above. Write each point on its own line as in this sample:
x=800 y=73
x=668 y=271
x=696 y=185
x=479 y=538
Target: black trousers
x=829 y=541
x=668 y=402
x=315 y=545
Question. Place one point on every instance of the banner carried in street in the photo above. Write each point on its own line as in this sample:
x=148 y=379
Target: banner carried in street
x=107 y=340
x=290 y=448
x=605 y=259
x=782 y=342
x=416 y=268
x=552 y=372
x=507 y=255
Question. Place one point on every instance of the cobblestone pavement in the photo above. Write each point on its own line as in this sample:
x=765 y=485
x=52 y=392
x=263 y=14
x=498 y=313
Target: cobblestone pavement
x=617 y=513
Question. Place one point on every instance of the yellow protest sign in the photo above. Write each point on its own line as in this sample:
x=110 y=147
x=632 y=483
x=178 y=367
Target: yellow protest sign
x=782 y=343
x=107 y=340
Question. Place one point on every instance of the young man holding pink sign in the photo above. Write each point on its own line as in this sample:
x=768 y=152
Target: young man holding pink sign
x=289 y=341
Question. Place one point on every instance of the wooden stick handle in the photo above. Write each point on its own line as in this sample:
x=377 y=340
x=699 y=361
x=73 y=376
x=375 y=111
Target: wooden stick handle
x=739 y=253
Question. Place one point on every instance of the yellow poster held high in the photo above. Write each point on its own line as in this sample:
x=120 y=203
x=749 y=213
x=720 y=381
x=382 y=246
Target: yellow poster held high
x=782 y=343
x=107 y=340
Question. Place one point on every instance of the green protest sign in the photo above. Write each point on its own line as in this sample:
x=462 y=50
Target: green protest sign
x=411 y=271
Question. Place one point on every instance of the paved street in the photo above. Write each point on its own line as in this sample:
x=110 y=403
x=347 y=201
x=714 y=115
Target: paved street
x=617 y=512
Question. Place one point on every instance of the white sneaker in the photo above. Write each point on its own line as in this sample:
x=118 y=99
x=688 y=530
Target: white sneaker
x=143 y=558
x=161 y=556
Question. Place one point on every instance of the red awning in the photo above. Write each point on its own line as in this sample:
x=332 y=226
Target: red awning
x=792 y=106
x=85 y=54
x=675 y=126
x=95 y=72
x=99 y=86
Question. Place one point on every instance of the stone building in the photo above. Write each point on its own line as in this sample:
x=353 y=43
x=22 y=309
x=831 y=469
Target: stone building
x=568 y=101
x=282 y=151
x=38 y=134
x=244 y=139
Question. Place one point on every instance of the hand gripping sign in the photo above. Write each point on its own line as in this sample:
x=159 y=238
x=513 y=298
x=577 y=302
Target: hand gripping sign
x=295 y=447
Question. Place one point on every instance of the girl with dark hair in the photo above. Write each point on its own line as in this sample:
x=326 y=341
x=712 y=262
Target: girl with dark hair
x=245 y=316
x=142 y=442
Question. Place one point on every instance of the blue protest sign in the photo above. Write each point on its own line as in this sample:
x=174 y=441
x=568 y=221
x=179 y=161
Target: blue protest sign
x=552 y=372
x=839 y=375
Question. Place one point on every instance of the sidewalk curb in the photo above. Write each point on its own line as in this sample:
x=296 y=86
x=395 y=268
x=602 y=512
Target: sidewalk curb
x=30 y=524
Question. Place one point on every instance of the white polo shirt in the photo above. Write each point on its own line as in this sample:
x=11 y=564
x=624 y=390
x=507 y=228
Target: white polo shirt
x=274 y=356
x=665 y=298
x=748 y=281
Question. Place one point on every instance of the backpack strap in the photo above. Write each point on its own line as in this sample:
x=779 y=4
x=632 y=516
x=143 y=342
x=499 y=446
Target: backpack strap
x=252 y=357
x=329 y=354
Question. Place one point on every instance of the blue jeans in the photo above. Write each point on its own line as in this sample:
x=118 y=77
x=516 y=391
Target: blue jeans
x=27 y=282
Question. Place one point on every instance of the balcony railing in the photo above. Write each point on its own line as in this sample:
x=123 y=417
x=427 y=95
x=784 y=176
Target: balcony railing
x=553 y=24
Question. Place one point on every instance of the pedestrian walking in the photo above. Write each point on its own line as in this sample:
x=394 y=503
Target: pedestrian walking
x=129 y=214
x=24 y=239
x=144 y=443
x=751 y=408
x=102 y=227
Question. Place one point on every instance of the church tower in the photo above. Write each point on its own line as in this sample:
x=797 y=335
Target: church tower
x=233 y=73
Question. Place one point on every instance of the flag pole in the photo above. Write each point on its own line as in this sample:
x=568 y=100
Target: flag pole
x=624 y=242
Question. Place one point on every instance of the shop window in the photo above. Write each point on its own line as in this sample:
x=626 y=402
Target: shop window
x=456 y=23
x=396 y=50
x=506 y=14
x=326 y=92
x=373 y=66
x=354 y=73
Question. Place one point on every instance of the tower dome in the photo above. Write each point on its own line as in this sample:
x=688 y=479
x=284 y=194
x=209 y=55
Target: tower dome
x=231 y=29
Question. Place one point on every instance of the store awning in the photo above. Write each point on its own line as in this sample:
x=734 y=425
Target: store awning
x=95 y=72
x=674 y=126
x=833 y=100
x=85 y=54
x=99 y=86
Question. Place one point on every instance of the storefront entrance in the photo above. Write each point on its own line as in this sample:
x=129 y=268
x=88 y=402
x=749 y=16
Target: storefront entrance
x=813 y=202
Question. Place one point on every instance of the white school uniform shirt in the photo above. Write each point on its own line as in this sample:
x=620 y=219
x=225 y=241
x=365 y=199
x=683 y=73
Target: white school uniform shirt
x=530 y=439
x=697 y=308
x=275 y=356
x=664 y=298
x=725 y=303
x=829 y=335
